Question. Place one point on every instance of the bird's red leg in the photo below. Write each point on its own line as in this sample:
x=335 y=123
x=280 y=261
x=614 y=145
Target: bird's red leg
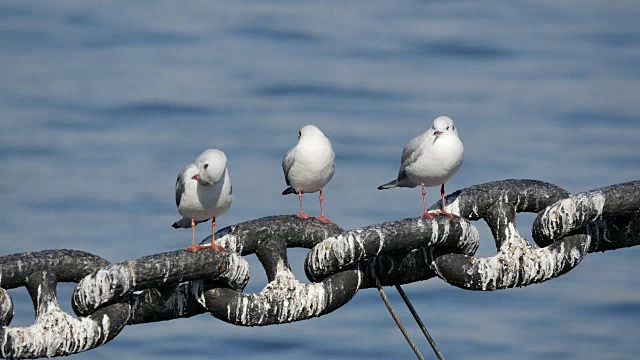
x=302 y=215
x=321 y=217
x=213 y=238
x=425 y=215
x=193 y=247
x=445 y=212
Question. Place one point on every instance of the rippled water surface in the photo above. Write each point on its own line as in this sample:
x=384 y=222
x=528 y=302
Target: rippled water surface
x=102 y=103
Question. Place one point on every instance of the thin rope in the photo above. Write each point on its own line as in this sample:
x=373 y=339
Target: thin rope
x=397 y=319
x=419 y=321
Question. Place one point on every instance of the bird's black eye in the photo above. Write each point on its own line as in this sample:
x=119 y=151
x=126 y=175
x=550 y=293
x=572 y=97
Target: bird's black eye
x=299 y=134
x=206 y=166
x=453 y=127
x=447 y=128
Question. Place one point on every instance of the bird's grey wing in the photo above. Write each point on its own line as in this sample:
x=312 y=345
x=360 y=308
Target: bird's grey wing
x=410 y=154
x=287 y=163
x=180 y=181
x=333 y=162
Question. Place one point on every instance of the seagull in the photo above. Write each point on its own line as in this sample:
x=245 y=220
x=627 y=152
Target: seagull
x=203 y=192
x=430 y=159
x=309 y=166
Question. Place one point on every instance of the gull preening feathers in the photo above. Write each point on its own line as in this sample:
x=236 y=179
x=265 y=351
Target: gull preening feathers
x=203 y=192
x=430 y=159
x=309 y=166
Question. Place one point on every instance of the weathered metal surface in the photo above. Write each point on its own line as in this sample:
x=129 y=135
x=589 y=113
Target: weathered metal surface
x=117 y=280
x=389 y=238
x=55 y=332
x=181 y=284
x=574 y=212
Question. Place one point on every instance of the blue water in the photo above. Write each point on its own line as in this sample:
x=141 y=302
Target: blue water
x=102 y=104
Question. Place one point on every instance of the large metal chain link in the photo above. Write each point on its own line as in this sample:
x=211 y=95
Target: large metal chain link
x=181 y=284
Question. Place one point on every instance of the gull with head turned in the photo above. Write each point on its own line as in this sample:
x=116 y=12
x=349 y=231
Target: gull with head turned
x=203 y=192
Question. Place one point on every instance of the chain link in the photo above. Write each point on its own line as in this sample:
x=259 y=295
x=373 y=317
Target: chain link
x=181 y=284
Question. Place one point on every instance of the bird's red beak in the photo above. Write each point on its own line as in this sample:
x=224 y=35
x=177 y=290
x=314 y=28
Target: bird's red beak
x=195 y=177
x=437 y=132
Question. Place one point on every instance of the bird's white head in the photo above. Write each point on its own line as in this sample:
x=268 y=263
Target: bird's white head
x=309 y=130
x=211 y=165
x=190 y=172
x=442 y=126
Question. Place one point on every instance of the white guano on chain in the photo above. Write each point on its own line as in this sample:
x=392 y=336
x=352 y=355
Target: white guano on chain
x=524 y=195
x=55 y=333
x=296 y=299
x=434 y=230
x=571 y=213
x=237 y=272
x=518 y=258
x=230 y=243
x=100 y=287
x=6 y=304
x=445 y=233
x=292 y=300
x=470 y=237
x=381 y=237
x=454 y=206
x=342 y=248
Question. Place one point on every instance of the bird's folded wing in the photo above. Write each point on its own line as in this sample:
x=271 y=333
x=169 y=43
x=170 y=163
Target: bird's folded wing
x=180 y=181
x=287 y=163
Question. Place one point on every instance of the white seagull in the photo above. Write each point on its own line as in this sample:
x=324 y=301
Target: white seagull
x=430 y=159
x=203 y=192
x=309 y=166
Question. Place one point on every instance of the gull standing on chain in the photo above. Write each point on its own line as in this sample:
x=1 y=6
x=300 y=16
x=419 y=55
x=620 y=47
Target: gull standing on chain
x=203 y=192
x=309 y=166
x=430 y=159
